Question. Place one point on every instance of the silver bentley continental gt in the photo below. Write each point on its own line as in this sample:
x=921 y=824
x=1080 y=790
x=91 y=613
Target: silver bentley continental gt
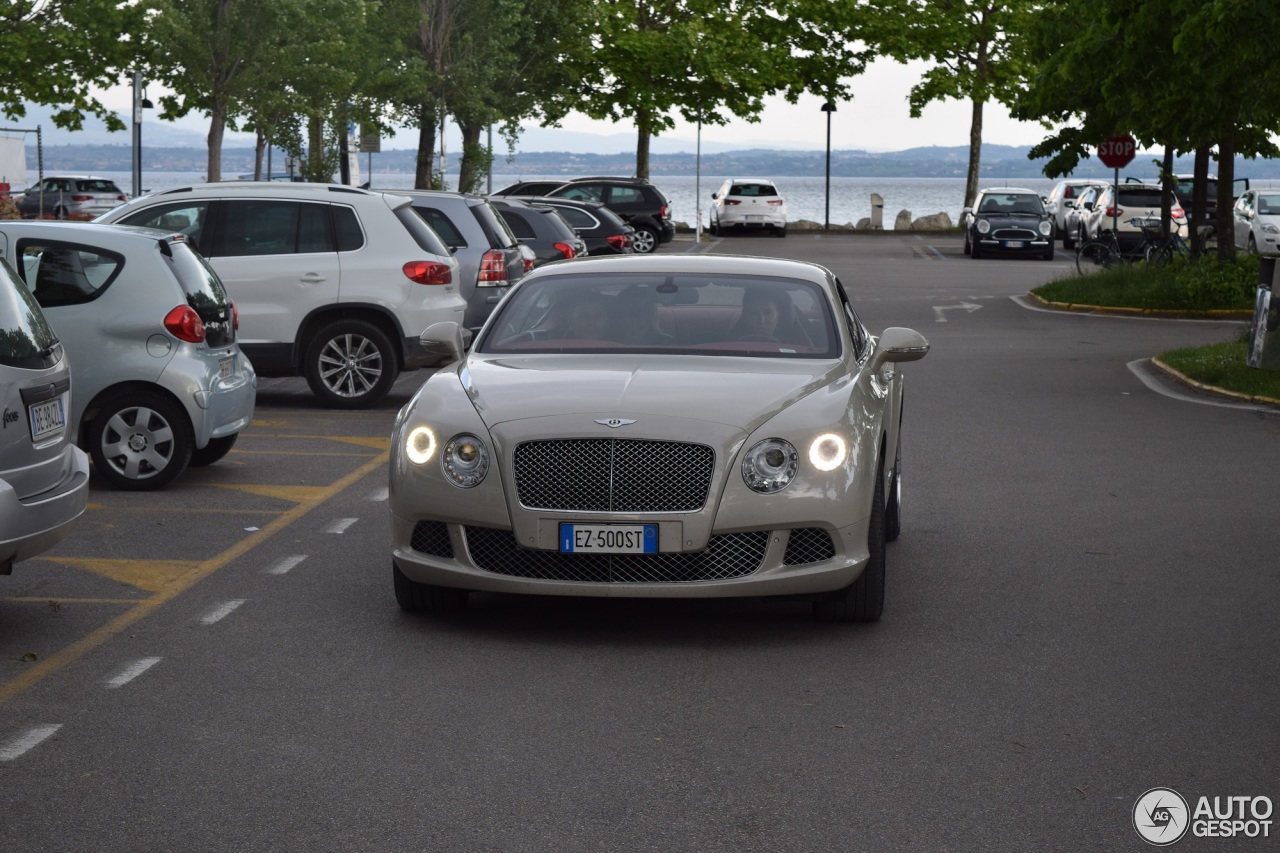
x=656 y=426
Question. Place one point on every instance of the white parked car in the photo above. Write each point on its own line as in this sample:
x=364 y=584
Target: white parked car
x=656 y=426
x=332 y=282
x=1256 y=215
x=1062 y=201
x=158 y=381
x=750 y=203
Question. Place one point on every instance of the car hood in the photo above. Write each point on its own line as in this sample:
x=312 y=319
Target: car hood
x=738 y=392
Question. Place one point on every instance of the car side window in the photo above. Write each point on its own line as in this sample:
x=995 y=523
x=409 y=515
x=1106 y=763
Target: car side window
x=856 y=330
x=272 y=227
x=346 y=228
x=625 y=195
x=584 y=192
x=578 y=218
x=63 y=274
x=178 y=217
x=27 y=338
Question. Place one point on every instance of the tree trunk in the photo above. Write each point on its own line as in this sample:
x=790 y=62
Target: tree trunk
x=1166 y=194
x=259 y=150
x=474 y=162
x=975 y=154
x=643 y=132
x=1225 y=224
x=217 y=125
x=1196 y=214
x=422 y=174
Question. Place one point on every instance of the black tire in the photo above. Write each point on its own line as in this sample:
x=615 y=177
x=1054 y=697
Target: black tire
x=893 y=506
x=140 y=440
x=1252 y=247
x=782 y=232
x=966 y=242
x=645 y=241
x=1067 y=241
x=714 y=228
x=1048 y=256
x=974 y=251
x=213 y=451
x=414 y=597
x=1095 y=255
x=863 y=600
x=351 y=364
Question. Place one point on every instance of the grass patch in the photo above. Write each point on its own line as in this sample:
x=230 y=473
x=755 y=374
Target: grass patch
x=1204 y=285
x=1223 y=366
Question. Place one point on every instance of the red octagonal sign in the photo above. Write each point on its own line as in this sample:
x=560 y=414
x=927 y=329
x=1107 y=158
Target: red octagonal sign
x=1117 y=151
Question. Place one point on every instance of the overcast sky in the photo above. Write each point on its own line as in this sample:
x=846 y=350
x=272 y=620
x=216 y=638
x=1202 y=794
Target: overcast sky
x=878 y=119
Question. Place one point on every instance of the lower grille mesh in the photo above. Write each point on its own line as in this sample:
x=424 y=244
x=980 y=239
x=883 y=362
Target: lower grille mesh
x=431 y=537
x=808 y=545
x=730 y=556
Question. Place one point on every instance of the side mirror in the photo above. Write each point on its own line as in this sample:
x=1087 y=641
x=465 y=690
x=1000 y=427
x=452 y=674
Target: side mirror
x=966 y=211
x=445 y=338
x=715 y=195
x=897 y=344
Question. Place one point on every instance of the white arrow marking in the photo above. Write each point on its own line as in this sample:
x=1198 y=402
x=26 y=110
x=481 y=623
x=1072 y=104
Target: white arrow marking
x=967 y=306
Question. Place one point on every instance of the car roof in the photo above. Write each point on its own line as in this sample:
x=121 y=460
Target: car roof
x=751 y=181
x=679 y=263
x=249 y=188
x=77 y=231
x=1008 y=190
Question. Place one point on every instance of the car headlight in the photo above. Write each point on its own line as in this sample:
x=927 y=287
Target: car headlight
x=983 y=226
x=420 y=445
x=770 y=466
x=827 y=452
x=465 y=461
x=1045 y=228
x=1270 y=229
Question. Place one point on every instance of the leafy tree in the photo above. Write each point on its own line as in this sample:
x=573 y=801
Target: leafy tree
x=55 y=51
x=650 y=60
x=971 y=42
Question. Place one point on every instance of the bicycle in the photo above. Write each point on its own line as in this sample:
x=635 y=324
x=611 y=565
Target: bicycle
x=1162 y=251
x=1105 y=251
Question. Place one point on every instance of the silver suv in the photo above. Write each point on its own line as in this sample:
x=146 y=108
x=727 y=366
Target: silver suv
x=44 y=478
x=332 y=282
x=163 y=390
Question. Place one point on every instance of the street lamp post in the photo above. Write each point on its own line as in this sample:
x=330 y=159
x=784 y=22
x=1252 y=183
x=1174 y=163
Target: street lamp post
x=140 y=103
x=828 y=108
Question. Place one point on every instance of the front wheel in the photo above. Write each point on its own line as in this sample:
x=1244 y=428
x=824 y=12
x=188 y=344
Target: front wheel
x=350 y=364
x=1159 y=256
x=1095 y=255
x=645 y=241
x=1067 y=241
x=1252 y=248
x=863 y=600
x=140 y=440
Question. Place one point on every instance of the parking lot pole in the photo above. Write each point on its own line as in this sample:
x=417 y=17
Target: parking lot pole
x=1115 y=208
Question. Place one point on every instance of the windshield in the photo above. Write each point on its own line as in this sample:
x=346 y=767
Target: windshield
x=1011 y=203
x=665 y=313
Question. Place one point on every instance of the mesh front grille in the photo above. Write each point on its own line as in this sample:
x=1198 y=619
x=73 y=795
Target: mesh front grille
x=613 y=475
x=808 y=545
x=431 y=537
x=1014 y=234
x=730 y=556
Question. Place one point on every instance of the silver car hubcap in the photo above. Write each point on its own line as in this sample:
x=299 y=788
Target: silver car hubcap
x=644 y=242
x=350 y=365
x=138 y=443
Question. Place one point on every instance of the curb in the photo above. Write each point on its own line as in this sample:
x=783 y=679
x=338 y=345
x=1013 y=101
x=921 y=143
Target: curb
x=1210 y=314
x=1213 y=389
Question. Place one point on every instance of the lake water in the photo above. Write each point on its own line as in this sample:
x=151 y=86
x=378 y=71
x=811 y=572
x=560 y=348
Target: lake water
x=806 y=197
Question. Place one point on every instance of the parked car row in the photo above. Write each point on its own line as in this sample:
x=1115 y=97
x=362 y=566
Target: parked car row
x=636 y=201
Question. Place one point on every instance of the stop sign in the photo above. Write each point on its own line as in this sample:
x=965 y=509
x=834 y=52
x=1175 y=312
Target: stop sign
x=1117 y=151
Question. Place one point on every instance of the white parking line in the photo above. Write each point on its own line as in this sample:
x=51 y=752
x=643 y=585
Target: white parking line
x=286 y=564
x=27 y=741
x=380 y=495
x=221 y=611
x=341 y=525
x=131 y=672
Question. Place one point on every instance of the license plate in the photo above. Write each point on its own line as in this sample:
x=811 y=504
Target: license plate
x=608 y=538
x=227 y=368
x=46 y=418
x=750 y=218
x=1013 y=244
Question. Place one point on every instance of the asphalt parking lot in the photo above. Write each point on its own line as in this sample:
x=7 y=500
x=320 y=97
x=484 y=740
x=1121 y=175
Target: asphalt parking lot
x=1081 y=608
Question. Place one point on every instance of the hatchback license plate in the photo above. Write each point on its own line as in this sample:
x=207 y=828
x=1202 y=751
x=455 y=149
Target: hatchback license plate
x=609 y=538
x=1013 y=244
x=227 y=368
x=46 y=418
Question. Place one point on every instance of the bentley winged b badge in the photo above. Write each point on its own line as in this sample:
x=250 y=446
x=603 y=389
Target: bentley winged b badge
x=614 y=423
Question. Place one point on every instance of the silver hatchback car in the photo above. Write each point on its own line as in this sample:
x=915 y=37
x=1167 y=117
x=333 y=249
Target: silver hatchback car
x=160 y=382
x=44 y=478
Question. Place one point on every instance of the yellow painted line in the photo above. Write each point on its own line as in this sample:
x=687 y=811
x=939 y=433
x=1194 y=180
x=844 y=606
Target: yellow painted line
x=93 y=640
x=150 y=575
x=188 y=510
x=335 y=454
x=60 y=600
x=374 y=442
x=293 y=494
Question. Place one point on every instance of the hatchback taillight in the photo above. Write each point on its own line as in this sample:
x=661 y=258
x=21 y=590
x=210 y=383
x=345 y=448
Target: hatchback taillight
x=1178 y=213
x=565 y=249
x=235 y=317
x=428 y=272
x=618 y=241
x=82 y=198
x=185 y=324
x=663 y=213
x=1115 y=211
x=732 y=201
x=775 y=201
x=493 y=269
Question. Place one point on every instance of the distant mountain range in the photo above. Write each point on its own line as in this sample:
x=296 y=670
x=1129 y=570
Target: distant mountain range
x=168 y=148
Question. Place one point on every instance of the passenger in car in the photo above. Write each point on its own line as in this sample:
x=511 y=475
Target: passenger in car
x=768 y=315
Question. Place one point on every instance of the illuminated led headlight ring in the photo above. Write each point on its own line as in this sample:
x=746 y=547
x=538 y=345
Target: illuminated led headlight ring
x=420 y=445
x=828 y=452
